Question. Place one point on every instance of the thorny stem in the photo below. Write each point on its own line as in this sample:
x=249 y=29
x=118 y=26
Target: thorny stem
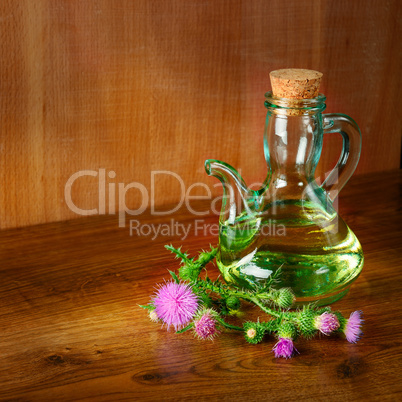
x=264 y=308
x=256 y=299
x=229 y=326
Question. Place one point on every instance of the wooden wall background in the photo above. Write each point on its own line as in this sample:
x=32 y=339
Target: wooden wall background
x=139 y=86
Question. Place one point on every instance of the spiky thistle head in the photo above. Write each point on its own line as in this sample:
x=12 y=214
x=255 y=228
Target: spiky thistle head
x=205 y=324
x=306 y=322
x=284 y=348
x=189 y=271
x=352 y=328
x=284 y=297
x=175 y=304
x=232 y=302
x=287 y=333
x=326 y=323
x=253 y=332
x=287 y=330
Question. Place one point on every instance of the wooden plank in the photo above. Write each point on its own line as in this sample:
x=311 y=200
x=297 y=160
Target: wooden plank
x=135 y=87
x=71 y=328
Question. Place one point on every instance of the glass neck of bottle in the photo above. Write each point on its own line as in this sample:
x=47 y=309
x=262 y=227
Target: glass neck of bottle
x=293 y=138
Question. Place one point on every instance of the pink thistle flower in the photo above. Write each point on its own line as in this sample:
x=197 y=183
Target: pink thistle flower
x=205 y=326
x=352 y=328
x=326 y=323
x=284 y=348
x=175 y=304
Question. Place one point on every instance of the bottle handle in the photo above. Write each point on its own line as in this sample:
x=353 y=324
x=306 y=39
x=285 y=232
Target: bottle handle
x=350 y=155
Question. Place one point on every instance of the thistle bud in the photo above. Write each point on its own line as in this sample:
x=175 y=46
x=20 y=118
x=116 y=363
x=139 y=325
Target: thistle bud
x=287 y=330
x=284 y=297
x=205 y=324
x=306 y=323
x=284 y=348
x=189 y=272
x=253 y=332
x=233 y=303
x=352 y=328
x=326 y=323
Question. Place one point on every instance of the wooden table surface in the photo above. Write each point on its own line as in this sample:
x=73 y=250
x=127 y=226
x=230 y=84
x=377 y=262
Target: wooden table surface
x=71 y=328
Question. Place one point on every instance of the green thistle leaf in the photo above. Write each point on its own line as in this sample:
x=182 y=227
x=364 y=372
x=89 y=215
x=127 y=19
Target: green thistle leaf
x=185 y=329
x=174 y=276
x=147 y=307
x=205 y=257
x=179 y=254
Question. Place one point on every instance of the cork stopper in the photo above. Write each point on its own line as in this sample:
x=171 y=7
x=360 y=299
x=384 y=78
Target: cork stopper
x=295 y=83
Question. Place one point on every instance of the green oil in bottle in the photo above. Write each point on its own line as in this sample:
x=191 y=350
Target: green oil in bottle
x=318 y=255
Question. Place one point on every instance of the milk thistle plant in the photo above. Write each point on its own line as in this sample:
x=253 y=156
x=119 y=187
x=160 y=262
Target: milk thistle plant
x=191 y=301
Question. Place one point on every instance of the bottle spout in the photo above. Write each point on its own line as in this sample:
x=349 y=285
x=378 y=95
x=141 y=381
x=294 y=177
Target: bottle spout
x=237 y=197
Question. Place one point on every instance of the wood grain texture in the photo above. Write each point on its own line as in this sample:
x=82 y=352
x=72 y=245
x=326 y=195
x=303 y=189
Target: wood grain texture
x=140 y=86
x=71 y=328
